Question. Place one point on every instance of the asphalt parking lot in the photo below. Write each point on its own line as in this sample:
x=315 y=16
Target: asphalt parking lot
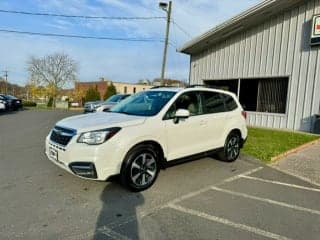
x=204 y=199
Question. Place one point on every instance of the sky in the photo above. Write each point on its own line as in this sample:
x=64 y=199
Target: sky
x=119 y=61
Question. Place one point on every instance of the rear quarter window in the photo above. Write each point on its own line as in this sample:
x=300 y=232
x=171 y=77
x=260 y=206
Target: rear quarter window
x=213 y=102
x=230 y=102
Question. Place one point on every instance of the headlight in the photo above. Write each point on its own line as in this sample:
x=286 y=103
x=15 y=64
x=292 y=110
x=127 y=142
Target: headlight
x=99 y=109
x=98 y=137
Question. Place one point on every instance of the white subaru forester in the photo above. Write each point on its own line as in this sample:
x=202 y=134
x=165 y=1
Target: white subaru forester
x=148 y=131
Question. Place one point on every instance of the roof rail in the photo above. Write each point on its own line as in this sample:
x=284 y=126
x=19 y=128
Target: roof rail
x=198 y=85
x=163 y=87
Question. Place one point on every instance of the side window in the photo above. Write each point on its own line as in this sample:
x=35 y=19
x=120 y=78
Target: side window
x=230 y=103
x=188 y=101
x=213 y=102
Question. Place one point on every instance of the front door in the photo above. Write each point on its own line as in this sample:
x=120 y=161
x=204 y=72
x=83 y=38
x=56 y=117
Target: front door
x=186 y=137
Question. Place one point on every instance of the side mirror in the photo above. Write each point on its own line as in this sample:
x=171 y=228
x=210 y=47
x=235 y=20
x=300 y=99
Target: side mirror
x=181 y=114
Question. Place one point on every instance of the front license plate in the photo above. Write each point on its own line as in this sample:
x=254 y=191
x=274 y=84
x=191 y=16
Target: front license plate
x=53 y=154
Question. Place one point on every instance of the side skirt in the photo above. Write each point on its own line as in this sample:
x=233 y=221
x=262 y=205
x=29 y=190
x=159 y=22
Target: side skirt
x=191 y=157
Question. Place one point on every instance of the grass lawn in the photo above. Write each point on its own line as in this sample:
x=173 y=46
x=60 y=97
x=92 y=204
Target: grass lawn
x=265 y=143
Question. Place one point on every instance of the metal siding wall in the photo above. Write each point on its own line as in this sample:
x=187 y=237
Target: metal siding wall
x=278 y=47
x=315 y=89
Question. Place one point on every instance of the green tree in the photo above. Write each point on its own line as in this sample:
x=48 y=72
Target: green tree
x=92 y=94
x=111 y=90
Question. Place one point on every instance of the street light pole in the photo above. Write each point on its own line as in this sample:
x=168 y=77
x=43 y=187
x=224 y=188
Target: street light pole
x=167 y=8
x=6 y=81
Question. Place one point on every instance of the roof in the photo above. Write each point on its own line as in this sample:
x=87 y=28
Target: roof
x=239 y=23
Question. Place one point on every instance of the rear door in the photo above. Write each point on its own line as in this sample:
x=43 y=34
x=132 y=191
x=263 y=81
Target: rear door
x=215 y=119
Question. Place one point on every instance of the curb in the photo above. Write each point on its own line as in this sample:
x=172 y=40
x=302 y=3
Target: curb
x=294 y=150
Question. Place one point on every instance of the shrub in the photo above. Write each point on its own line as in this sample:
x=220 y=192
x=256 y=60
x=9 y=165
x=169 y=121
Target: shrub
x=29 y=104
x=111 y=90
x=92 y=95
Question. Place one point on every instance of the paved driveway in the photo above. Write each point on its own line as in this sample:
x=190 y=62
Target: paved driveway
x=205 y=199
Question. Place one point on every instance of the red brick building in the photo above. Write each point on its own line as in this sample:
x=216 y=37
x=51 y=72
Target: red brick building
x=84 y=86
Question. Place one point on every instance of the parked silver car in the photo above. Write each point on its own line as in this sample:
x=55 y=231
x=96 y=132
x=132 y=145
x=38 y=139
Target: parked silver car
x=90 y=107
x=102 y=106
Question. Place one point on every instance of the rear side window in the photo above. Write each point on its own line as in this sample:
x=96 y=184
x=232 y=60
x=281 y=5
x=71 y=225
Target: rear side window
x=213 y=102
x=230 y=103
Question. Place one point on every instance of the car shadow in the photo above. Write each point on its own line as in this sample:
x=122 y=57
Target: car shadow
x=118 y=215
x=7 y=112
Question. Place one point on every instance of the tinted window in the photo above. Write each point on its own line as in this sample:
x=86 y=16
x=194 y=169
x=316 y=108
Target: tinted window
x=11 y=97
x=114 y=98
x=230 y=103
x=188 y=101
x=213 y=102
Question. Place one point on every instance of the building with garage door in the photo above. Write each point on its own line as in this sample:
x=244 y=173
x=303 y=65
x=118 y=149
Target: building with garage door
x=269 y=56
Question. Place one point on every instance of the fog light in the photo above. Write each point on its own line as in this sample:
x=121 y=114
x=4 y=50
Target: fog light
x=83 y=169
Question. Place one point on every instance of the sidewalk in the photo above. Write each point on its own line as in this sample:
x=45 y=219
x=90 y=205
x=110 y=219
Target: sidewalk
x=304 y=164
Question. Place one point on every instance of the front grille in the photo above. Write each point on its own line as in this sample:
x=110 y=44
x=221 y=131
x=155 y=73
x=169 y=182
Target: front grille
x=61 y=135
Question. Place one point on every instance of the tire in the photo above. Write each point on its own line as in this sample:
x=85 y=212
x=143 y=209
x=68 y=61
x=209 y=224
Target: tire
x=231 y=148
x=140 y=168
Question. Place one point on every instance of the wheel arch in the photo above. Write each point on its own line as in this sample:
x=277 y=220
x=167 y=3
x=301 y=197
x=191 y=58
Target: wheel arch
x=158 y=148
x=237 y=131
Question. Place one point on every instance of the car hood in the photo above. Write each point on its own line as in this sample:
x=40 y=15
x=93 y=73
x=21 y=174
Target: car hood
x=97 y=121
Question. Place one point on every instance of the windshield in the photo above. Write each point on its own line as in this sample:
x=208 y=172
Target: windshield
x=114 y=98
x=148 y=103
x=10 y=97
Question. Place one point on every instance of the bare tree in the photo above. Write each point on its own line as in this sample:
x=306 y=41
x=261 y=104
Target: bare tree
x=52 y=72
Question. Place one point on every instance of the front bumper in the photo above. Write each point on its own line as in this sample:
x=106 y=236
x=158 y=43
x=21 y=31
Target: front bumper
x=89 y=110
x=97 y=162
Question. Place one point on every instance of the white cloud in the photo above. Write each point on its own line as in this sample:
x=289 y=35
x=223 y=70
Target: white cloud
x=120 y=61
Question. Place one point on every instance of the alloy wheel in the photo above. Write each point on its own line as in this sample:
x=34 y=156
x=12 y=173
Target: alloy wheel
x=143 y=169
x=233 y=148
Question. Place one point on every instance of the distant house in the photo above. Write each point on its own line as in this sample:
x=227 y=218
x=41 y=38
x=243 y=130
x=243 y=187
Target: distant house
x=168 y=82
x=102 y=85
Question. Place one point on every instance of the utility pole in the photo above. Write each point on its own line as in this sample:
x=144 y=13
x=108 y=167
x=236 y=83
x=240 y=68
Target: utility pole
x=167 y=8
x=6 y=81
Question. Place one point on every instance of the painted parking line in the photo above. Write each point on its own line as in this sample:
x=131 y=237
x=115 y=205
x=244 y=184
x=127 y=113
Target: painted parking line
x=282 y=204
x=280 y=183
x=297 y=176
x=228 y=222
x=116 y=224
x=112 y=234
x=107 y=232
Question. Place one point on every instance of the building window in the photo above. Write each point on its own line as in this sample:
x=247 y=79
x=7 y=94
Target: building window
x=134 y=90
x=257 y=95
x=228 y=85
x=264 y=95
x=125 y=89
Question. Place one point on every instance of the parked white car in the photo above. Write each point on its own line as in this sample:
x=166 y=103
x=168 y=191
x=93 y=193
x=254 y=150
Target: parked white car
x=148 y=131
x=2 y=105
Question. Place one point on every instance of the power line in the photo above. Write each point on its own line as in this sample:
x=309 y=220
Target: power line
x=81 y=36
x=181 y=29
x=77 y=16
